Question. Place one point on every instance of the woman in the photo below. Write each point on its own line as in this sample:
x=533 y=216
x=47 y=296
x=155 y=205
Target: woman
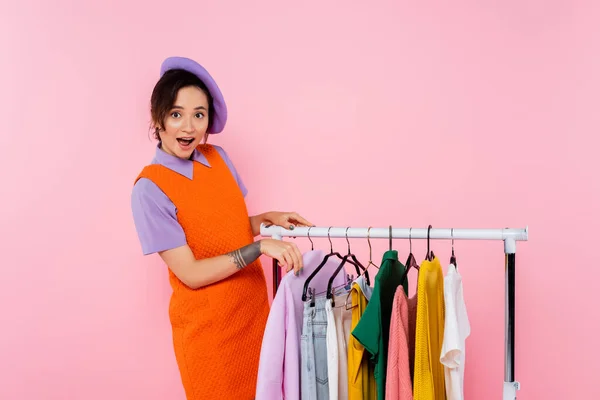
x=188 y=206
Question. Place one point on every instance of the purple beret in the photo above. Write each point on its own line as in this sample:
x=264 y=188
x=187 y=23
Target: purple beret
x=219 y=107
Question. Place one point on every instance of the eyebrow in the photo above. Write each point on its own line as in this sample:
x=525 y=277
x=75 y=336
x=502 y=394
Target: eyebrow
x=197 y=108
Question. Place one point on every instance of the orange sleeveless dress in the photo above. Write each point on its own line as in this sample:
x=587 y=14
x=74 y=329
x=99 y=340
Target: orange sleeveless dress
x=217 y=329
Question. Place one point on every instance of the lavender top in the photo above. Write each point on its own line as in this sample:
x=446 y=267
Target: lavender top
x=154 y=214
x=280 y=354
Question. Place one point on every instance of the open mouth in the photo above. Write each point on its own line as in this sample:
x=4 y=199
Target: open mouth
x=185 y=141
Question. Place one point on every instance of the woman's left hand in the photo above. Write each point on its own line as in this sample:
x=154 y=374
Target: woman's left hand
x=287 y=220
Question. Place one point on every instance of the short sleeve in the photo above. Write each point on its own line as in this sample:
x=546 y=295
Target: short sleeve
x=155 y=218
x=234 y=172
x=368 y=328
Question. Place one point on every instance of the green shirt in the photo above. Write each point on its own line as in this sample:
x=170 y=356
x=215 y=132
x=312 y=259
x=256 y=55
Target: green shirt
x=373 y=329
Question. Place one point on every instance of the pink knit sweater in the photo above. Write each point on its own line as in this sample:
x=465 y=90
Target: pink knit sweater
x=398 y=381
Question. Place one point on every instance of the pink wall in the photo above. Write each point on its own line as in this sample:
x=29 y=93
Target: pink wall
x=475 y=114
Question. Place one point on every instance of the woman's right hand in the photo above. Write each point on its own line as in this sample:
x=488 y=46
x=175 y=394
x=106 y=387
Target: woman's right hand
x=286 y=253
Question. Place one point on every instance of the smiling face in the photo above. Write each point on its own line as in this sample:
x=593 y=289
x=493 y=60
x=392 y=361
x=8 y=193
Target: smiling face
x=186 y=122
x=181 y=109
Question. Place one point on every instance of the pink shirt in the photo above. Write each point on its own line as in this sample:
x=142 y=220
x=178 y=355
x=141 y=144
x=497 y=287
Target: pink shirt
x=279 y=368
x=398 y=379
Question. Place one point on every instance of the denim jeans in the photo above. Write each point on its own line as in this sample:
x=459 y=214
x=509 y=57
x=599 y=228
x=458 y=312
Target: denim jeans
x=313 y=352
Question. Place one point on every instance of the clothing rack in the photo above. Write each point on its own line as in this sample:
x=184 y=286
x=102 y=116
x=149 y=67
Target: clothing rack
x=509 y=236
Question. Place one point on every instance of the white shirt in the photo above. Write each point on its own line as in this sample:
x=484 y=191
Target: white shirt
x=456 y=331
x=338 y=333
x=332 y=352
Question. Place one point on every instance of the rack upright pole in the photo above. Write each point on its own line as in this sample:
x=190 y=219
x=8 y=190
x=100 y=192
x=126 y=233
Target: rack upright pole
x=510 y=385
x=276 y=268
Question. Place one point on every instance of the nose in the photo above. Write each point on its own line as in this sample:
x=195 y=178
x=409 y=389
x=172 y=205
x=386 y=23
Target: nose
x=188 y=126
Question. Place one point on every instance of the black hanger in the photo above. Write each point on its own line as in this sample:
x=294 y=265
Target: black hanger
x=331 y=253
x=453 y=257
x=341 y=266
x=410 y=261
x=429 y=256
x=311 y=276
x=390 y=237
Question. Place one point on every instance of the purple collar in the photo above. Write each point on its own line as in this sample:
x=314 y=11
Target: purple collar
x=179 y=165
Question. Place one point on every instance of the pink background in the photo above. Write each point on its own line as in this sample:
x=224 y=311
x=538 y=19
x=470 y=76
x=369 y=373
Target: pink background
x=471 y=114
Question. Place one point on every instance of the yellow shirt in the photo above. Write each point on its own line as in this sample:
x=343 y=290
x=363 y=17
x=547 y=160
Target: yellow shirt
x=429 y=371
x=361 y=377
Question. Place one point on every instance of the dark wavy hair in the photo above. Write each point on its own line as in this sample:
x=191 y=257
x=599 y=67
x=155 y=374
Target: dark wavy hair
x=165 y=92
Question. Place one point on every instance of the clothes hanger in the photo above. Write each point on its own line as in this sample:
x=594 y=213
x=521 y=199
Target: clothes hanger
x=323 y=262
x=368 y=265
x=357 y=264
x=410 y=261
x=311 y=295
x=346 y=303
x=370 y=250
x=390 y=237
x=312 y=275
x=339 y=268
x=349 y=281
x=429 y=256
x=453 y=257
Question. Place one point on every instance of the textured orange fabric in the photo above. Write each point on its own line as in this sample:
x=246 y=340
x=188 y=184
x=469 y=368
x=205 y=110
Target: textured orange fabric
x=217 y=329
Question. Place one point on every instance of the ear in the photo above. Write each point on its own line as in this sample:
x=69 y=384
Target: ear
x=158 y=127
